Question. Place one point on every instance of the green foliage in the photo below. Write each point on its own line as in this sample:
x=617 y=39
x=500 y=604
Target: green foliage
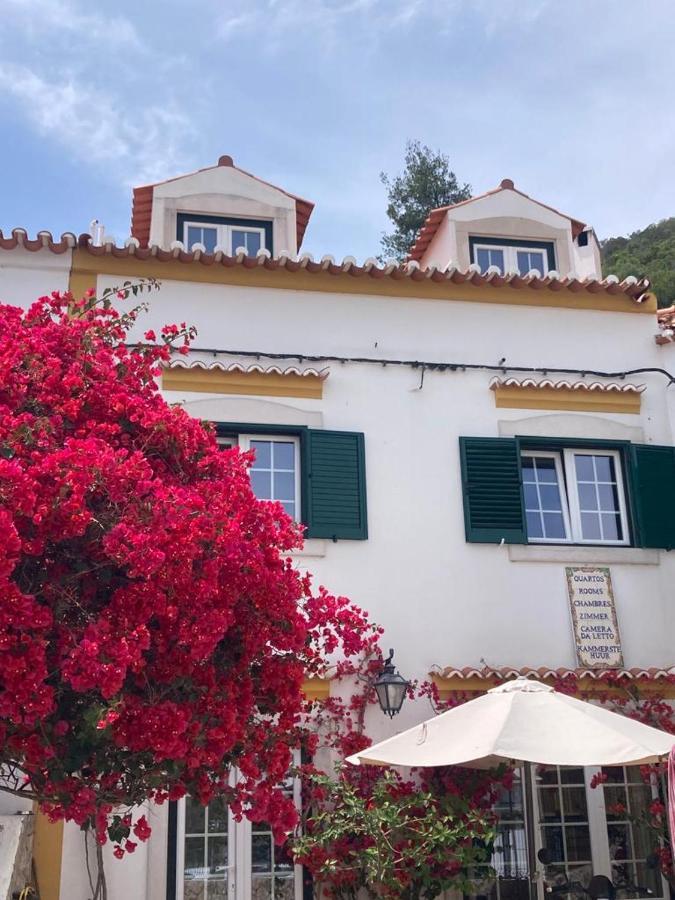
x=393 y=840
x=426 y=183
x=649 y=252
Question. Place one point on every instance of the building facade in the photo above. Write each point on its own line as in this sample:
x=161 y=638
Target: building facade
x=479 y=441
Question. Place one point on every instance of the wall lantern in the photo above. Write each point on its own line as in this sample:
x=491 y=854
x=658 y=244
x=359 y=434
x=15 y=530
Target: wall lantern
x=391 y=688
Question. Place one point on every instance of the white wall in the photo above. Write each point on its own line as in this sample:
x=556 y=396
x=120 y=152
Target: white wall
x=507 y=213
x=443 y=601
x=223 y=191
x=26 y=275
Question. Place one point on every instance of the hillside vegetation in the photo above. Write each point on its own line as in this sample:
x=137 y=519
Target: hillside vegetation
x=650 y=252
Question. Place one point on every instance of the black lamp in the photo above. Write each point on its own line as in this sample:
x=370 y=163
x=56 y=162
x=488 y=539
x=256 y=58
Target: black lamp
x=391 y=688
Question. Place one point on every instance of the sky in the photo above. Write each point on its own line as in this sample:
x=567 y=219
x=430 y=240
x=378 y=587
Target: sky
x=572 y=99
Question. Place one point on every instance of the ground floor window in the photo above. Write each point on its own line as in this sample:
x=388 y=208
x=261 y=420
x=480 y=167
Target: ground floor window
x=218 y=858
x=587 y=831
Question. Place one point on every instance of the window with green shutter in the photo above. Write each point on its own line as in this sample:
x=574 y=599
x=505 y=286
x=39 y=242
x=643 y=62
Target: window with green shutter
x=544 y=490
x=323 y=485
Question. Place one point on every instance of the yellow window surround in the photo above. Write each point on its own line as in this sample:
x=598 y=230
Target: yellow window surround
x=270 y=381
x=580 y=396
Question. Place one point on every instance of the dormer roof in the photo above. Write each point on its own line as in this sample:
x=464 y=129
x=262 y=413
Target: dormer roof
x=141 y=210
x=436 y=216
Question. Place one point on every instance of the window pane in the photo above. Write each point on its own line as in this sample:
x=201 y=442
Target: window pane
x=531 y=496
x=284 y=455
x=550 y=497
x=578 y=841
x=194 y=857
x=261 y=888
x=554 y=525
x=193 y=890
x=588 y=498
x=284 y=486
x=546 y=470
x=263 y=454
x=574 y=804
x=604 y=467
x=619 y=841
x=584 y=467
x=253 y=242
x=611 y=527
x=261 y=482
x=535 y=528
x=284 y=888
x=289 y=508
x=590 y=527
x=218 y=816
x=194 y=816
x=530 y=259
x=194 y=236
x=482 y=259
x=497 y=259
x=249 y=240
x=609 y=497
x=261 y=852
x=543 y=500
x=217 y=855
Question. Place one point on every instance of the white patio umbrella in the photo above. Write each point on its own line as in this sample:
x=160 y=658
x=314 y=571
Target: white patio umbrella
x=522 y=721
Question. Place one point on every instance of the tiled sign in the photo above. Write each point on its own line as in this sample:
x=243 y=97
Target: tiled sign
x=596 y=631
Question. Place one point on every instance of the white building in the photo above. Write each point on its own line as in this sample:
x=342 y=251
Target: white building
x=455 y=432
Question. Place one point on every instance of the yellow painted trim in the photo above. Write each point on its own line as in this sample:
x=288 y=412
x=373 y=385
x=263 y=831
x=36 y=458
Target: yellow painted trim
x=268 y=384
x=587 y=686
x=86 y=268
x=511 y=396
x=316 y=688
x=47 y=856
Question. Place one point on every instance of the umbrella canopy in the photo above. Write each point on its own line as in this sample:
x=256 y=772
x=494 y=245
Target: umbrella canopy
x=522 y=721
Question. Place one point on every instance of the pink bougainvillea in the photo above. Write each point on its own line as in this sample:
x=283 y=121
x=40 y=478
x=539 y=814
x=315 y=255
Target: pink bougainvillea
x=153 y=630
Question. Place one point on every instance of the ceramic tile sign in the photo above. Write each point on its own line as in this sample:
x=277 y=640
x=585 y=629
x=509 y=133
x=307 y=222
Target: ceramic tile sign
x=596 y=631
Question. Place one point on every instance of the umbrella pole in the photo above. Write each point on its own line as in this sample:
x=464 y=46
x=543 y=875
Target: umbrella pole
x=530 y=826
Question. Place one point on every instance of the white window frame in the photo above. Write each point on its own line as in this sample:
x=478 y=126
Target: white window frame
x=573 y=494
x=511 y=256
x=569 y=495
x=180 y=852
x=551 y=454
x=244 y=442
x=597 y=825
x=223 y=234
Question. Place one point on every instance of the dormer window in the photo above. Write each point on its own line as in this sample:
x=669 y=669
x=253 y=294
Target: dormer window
x=512 y=255
x=228 y=234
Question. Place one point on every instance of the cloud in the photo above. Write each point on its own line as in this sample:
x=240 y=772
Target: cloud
x=138 y=144
x=35 y=17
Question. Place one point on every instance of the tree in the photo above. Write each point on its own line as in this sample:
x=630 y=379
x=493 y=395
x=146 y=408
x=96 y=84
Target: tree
x=153 y=630
x=649 y=252
x=426 y=183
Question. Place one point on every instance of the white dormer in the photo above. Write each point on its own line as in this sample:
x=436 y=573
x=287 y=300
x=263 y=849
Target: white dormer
x=221 y=207
x=510 y=231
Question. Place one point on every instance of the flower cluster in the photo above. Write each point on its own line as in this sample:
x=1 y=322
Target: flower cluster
x=153 y=631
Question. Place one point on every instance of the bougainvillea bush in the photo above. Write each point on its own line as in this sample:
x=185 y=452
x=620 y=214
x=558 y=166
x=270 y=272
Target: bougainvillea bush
x=370 y=832
x=153 y=631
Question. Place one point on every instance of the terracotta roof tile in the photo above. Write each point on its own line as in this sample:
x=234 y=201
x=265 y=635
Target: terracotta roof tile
x=436 y=216
x=141 y=209
x=503 y=672
x=637 y=291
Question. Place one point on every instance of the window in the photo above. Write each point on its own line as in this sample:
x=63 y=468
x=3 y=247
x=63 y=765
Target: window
x=275 y=473
x=207 y=861
x=318 y=475
x=511 y=255
x=564 y=822
x=574 y=495
x=228 y=234
x=630 y=845
x=211 y=848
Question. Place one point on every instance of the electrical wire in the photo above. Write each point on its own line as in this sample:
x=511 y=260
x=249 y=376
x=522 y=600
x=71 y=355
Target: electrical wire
x=436 y=366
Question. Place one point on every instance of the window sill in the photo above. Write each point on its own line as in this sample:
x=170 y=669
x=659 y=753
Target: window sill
x=314 y=547
x=572 y=553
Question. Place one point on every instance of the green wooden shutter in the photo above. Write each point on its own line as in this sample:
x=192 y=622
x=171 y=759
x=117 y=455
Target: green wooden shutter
x=653 y=495
x=335 y=485
x=493 y=496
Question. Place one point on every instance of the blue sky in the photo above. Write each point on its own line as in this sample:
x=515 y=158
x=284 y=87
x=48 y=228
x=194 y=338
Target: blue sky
x=573 y=99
